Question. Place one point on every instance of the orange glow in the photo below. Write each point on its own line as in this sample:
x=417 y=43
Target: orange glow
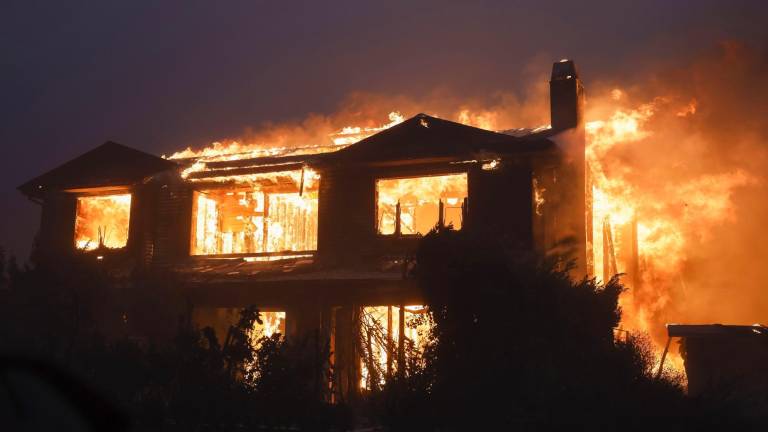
x=272 y=323
x=102 y=221
x=258 y=214
x=645 y=228
x=419 y=200
x=235 y=150
x=380 y=332
x=352 y=134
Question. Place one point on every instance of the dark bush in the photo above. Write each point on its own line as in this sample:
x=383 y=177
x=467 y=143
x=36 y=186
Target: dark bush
x=518 y=344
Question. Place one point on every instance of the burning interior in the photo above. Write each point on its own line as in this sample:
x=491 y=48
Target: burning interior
x=256 y=214
x=384 y=351
x=102 y=221
x=415 y=205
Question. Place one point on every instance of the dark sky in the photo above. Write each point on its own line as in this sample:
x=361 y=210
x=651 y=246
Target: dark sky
x=160 y=76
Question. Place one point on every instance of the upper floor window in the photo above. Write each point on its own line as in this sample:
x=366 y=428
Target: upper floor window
x=102 y=221
x=271 y=214
x=414 y=205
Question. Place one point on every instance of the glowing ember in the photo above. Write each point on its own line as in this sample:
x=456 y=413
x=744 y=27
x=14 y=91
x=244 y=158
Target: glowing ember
x=418 y=202
x=102 y=221
x=352 y=134
x=538 y=197
x=272 y=323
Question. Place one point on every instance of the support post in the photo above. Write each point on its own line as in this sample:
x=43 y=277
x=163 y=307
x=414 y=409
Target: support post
x=390 y=345
x=397 y=219
x=401 y=341
x=441 y=213
x=464 y=212
x=663 y=357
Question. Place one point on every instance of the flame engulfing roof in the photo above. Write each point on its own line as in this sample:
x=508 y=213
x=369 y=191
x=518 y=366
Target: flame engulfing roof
x=419 y=138
x=424 y=137
x=110 y=164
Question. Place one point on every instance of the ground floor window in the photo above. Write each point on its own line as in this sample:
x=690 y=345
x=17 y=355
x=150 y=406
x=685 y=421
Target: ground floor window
x=101 y=221
x=222 y=319
x=390 y=337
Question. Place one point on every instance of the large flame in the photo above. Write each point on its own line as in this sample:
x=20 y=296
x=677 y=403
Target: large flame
x=236 y=150
x=257 y=214
x=102 y=221
x=418 y=203
x=646 y=228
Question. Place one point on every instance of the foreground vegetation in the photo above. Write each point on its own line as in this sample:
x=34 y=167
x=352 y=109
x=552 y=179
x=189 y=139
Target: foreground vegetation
x=515 y=344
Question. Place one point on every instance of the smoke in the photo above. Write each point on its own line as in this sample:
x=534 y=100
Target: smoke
x=699 y=170
x=498 y=110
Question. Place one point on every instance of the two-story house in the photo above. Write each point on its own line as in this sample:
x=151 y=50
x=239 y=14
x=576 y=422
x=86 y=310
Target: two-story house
x=323 y=242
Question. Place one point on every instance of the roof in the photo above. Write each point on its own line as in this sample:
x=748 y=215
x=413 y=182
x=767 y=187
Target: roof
x=110 y=164
x=713 y=330
x=423 y=137
x=253 y=165
x=418 y=138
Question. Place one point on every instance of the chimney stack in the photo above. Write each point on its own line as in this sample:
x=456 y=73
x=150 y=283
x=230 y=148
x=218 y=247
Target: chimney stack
x=566 y=96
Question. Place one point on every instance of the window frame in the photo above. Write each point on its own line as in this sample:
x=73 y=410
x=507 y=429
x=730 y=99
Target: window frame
x=415 y=175
x=205 y=187
x=79 y=193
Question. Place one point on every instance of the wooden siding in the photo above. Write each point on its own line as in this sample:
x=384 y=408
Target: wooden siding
x=173 y=221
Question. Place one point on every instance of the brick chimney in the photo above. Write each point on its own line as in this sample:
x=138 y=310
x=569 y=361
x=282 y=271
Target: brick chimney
x=569 y=227
x=566 y=96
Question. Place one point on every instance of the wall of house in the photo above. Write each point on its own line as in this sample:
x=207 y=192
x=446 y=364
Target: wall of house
x=57 y=225
x=569 y=204
x=56 y=235
x=172 y=213
x=346 y=216
x=500 y=205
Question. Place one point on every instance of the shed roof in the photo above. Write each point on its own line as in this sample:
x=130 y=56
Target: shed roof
x=110 y=164
x=713 y=330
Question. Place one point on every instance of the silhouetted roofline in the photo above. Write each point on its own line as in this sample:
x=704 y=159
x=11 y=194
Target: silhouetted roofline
x=110 y=164
x=425 y=137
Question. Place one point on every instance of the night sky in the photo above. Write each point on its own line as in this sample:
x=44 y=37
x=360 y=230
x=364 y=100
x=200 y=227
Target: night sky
x=161 y=76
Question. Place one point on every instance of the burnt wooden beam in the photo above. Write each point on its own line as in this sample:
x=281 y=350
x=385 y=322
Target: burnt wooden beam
x=258 y=162
x=245 y=171
x=287 y=254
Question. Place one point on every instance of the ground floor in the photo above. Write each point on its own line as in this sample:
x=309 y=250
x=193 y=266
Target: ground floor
x=369 y=329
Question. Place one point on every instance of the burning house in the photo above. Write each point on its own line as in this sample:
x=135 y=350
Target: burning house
x=322 y=238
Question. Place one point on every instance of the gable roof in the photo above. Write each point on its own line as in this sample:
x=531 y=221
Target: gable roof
x=110 y=164
x=715 y=330
x=424 y=137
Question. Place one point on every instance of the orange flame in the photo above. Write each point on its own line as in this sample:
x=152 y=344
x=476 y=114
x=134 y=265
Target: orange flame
x=102 y=221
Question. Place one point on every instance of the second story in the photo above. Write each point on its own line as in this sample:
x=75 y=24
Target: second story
x=365 y=203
